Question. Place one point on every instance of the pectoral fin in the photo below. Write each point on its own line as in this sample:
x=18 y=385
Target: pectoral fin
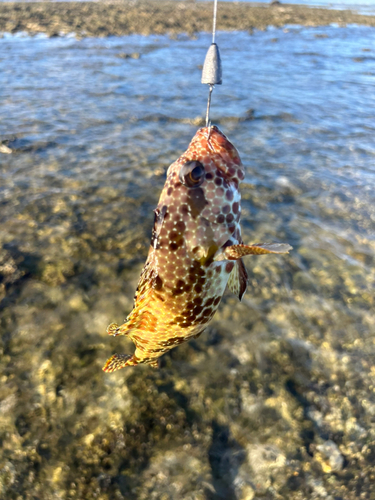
x=114 y=329
x=235 y=252
x=238 y=278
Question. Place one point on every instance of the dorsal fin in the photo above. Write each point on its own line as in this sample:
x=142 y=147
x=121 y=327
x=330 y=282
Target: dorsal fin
x=238 y=278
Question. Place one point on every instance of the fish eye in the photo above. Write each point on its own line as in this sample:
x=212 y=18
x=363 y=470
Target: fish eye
x=192 y=173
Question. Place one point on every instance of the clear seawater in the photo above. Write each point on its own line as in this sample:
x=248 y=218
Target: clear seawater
x=93 y=125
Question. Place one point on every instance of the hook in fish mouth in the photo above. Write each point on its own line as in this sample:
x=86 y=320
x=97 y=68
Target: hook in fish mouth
x=209 y=133
x=220 y=145
x=209 y=130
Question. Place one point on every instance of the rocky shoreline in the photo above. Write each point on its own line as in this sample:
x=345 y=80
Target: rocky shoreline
x=162 y=17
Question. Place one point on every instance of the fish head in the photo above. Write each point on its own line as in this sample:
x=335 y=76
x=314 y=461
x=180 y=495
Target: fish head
x=199 y=207
x=217 y=154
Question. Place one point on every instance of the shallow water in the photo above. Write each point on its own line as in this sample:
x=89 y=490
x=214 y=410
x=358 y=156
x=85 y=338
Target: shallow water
x=93 y=125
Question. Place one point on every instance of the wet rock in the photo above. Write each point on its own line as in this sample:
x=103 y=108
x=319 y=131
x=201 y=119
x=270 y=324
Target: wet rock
x=330 y=457
x=7 y=476
x=133 y=55
x=268 y=464
x=5 y=149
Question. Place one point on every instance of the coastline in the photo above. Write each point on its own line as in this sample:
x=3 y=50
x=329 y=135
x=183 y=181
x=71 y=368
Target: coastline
x=99 y=19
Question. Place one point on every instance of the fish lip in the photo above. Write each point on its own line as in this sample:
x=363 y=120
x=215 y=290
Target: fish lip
x=223 y=145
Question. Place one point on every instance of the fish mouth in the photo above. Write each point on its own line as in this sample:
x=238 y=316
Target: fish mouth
x=216 y=142
x=216 y=139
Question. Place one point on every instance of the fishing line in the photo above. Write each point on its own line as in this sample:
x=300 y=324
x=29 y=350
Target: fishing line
x=209 y=105
x=212 y=72
x=214 y=22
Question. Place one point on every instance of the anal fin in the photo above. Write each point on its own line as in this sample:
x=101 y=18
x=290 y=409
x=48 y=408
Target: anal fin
x=238 y=279
x=116 y=362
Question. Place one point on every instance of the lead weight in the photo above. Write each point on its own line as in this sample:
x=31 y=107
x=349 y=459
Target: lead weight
x=211 y=72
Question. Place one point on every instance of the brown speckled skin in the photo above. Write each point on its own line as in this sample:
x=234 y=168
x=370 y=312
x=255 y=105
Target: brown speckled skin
x=186 y=271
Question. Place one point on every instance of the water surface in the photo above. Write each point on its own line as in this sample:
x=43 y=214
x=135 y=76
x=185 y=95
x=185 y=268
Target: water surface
x=93 y=125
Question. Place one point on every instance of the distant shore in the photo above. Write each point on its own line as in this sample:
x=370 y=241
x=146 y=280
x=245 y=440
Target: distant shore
x=88 y=19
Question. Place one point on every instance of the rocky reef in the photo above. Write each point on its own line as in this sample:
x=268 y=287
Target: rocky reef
x=161 y=17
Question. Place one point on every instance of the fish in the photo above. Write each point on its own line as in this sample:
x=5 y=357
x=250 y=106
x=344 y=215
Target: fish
x=196 y=251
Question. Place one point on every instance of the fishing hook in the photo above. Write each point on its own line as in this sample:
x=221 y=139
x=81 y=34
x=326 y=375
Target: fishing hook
x=212 y=72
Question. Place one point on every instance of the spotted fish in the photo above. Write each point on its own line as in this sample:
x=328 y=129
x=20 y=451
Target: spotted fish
x=196 y=251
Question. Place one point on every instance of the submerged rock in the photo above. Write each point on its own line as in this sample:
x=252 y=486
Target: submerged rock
x=330 y=452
